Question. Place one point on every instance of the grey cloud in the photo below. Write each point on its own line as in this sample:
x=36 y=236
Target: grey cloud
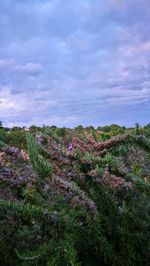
x=74 y=61
x=29 y=68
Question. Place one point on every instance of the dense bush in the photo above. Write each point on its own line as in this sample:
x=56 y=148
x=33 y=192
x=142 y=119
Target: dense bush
x=14 y=137
x=2 y=144
x=88 y=202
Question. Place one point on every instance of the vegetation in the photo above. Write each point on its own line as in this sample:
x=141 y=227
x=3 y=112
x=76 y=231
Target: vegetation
x=75 y=196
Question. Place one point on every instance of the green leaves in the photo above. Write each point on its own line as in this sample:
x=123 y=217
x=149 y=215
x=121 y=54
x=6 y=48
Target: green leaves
x=36 y=153
x=2 y=144
x=43 y=168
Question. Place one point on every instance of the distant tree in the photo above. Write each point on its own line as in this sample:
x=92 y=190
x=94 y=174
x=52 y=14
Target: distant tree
x=1 y=124
x=60 y=132
x=7 y=129
x=79 y=128
x=16 y=128
x=116 y=129
x=137 y=125
x=113 y=130
x=90 y=128
x=34 y=129
x=53 y=127
x=147 y=126
x=137 y=128
x=105 y=128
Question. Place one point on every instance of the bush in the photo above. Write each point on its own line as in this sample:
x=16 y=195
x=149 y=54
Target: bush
x=82 y=207
x=2 y=144
x=60 y=132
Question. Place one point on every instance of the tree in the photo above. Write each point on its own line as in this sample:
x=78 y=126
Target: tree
x=60 y=132
x=79 y=128
x=137 y=128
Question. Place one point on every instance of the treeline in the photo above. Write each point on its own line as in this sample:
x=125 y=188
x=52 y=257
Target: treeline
x=15 y=136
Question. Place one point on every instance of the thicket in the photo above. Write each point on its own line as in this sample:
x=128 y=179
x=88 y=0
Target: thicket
x=89 y=203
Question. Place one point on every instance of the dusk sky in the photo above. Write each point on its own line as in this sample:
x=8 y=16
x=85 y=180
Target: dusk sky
x=72 y=62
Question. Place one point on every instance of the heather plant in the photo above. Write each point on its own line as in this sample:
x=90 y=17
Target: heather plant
x=85 y=205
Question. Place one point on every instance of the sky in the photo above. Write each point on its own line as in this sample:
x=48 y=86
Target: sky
x=66 y=62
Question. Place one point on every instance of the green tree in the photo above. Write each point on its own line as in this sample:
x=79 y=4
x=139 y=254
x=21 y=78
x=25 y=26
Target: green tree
x=60 y=132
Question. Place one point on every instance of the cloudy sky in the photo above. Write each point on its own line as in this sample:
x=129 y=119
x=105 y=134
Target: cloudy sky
x=67 y=62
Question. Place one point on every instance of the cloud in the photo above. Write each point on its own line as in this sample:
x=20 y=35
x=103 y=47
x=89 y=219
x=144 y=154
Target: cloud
x=143 y=48
x=21 y=106
x=7 y=63
x=29 y=68
x=72 y=62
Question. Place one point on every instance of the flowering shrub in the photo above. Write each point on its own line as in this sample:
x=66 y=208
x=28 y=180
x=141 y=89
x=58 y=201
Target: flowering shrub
x=76 y=201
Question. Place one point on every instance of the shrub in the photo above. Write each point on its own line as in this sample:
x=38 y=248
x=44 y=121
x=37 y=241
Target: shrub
x=83 y=206
x=60 y=132
x=2 y=144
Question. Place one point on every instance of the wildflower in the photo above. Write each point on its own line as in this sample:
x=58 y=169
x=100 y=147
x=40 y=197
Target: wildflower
x=70 y=147
x=24 y=155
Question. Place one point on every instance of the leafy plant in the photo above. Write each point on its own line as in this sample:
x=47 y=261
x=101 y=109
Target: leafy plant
x=41 y=167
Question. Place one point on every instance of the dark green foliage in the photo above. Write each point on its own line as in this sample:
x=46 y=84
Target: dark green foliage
x=49 y=132
x=60 y=132
x=14 y=137
x=35 y=235
x=2 y=144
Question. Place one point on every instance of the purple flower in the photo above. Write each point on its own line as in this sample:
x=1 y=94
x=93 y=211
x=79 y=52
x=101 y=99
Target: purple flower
x=70 y=147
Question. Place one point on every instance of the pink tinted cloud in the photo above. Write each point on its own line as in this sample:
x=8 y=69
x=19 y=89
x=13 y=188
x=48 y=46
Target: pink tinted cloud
x=145 y=47
x=139 y=49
